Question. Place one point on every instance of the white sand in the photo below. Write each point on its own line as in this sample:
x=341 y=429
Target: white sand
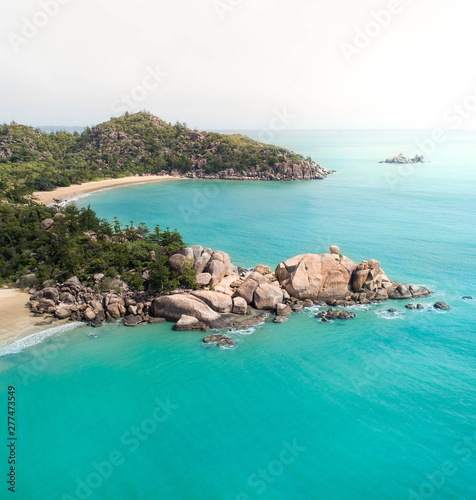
x=75 y=190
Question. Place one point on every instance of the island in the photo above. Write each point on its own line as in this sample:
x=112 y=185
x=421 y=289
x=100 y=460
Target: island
x=403 y=159
x=138 y=144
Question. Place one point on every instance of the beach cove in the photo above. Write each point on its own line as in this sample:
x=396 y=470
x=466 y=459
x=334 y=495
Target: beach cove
x=75 y=191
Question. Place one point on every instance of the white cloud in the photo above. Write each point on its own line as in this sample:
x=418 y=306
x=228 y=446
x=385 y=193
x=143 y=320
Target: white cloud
x=230 y=68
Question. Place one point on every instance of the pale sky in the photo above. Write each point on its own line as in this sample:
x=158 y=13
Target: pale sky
x=240 y=64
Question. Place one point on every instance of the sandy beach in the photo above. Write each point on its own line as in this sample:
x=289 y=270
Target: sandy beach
x=17 y=320
x=75 y=190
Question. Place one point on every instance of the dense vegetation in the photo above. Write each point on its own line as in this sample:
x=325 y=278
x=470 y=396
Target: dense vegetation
x=131 y=144
x=80 y=244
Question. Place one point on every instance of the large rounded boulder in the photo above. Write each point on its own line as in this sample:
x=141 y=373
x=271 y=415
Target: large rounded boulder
x=172 y=307
x=267 y=296
x=316 y=276
x=219 y=302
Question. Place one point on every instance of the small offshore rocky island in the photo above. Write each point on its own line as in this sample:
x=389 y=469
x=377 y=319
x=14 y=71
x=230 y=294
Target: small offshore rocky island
x=403 y=159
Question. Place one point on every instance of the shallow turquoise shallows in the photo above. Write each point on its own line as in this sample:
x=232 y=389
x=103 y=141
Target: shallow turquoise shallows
x=379 y=407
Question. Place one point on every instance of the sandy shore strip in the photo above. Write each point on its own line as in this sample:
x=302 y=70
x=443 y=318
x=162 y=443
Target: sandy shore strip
x=16 y=319
x=75 y=190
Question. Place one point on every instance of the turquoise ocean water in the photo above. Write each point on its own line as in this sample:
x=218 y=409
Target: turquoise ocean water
x=380 y=407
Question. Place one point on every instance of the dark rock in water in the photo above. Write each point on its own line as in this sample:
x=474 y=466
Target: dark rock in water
x=419 y=306
x=214 y=338
x=99 y=319
x=441 y=305
x=132 y=320
x=410 y=306
x=222 y=341
x=334 y=314
x=404 y=291
x=392 y=310
x=109 y=318
x=155 y=321
x=239 y=321
x=226 y=343
x=467 y=297
x=279 y=319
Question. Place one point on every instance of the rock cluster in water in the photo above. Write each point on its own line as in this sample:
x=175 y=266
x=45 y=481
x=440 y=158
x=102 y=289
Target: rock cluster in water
x=403 y=159
x=230 y=296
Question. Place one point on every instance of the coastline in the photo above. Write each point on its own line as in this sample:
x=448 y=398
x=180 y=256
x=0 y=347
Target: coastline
x=75 y=190
x=18 y=322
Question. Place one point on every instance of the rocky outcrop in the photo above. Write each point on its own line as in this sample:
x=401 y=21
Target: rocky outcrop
x=133 y=320
x=316 y=276
x=222 y=341
x=71 y=300
x=403 y=159
x=231 y=297
x=285 y=170
x=331 y=314
x=337 y=280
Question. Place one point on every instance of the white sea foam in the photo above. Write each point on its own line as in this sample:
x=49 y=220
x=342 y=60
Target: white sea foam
x=313 y=310
x=390 y=315
x=242 y=331
x=37 y=338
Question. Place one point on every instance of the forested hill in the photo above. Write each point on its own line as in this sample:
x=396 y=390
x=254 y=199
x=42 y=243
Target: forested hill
x=31 y=160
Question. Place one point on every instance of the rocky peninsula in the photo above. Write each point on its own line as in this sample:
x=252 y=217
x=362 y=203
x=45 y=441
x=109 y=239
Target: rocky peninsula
x=139 y=144
x=228 y=296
